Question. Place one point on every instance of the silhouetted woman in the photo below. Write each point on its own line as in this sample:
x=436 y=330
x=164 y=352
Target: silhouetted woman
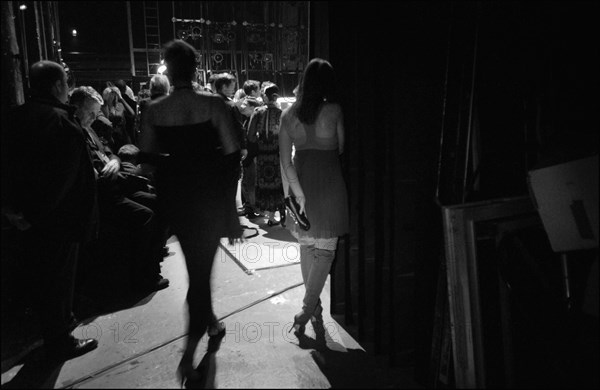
x=196 y=178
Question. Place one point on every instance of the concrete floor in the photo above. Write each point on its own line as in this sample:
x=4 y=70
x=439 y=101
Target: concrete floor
x=257 y=289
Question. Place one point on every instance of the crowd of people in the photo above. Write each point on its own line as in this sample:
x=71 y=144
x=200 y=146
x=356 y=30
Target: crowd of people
x=185 y=160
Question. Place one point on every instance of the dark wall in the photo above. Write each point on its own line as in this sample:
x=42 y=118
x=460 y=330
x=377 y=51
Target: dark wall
x=391 y=68
x=519 y=78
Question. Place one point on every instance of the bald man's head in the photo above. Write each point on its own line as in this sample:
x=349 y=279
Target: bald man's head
x=49 y=78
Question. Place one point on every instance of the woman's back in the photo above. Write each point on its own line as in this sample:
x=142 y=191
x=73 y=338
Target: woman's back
x=318 y=168
x=183 y=107
x=193 y=114
x=192 y=132
x=321 y=135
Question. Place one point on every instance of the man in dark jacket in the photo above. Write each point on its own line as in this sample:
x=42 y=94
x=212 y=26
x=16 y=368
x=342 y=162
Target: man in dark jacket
x=50 y=196
x=224 y=85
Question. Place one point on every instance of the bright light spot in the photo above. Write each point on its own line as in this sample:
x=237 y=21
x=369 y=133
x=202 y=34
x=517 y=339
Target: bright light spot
x=74 y=32
x=285 y=102
x=22 y=7
x=161 y=69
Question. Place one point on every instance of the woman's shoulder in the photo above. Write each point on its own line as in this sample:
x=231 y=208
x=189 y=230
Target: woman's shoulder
x=169 y=101
x=330 y=107
x=330 y=111
x=288 y=112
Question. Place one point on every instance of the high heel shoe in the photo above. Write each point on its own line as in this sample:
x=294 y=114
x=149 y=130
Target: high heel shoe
x=282 y=217
x=186 y=373
x=319 y=327
x=216 y=329
x=298 y=328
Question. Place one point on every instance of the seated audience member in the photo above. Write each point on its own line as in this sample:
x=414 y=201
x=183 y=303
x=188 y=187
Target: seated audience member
x=131 y=167
x=110 y=125
x=159 y=87
x=144 y=93
x=130 y=164
x=128 y=155
x=131 y=111
x=120 y=207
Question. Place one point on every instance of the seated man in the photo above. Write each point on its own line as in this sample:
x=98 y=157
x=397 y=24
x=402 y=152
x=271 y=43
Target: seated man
x=159 y=87
x=128 y=154
x=130 y=164
x=118 y=207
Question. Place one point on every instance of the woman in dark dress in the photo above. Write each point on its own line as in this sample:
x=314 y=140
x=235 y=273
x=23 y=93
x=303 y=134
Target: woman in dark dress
x=197 y=168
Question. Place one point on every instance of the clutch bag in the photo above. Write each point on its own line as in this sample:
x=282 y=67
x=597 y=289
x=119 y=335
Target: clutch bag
x=294 y=208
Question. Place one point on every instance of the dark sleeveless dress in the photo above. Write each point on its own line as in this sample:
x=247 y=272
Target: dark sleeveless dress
x=317 y=163
x=195 y=183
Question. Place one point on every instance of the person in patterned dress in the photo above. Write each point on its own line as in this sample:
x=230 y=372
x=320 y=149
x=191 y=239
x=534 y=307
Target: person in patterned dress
x=264 y=124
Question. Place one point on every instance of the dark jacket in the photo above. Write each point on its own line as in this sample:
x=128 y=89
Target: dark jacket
x=238 y=120
x=50 y=176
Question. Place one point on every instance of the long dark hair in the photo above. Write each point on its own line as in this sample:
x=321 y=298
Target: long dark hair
x=317 y=86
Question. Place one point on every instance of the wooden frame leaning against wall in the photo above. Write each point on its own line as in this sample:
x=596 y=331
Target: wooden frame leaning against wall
x=462 y=262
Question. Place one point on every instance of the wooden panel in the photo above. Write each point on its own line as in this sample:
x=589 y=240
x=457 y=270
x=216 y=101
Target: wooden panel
x=463 y=281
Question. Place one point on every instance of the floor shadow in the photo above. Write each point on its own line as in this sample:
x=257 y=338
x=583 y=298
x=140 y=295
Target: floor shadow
x=21 y=337
x=343 y=367
x=346 y=369
x=37 y=372
x=87 y=309
x=280 y=234
x=207 y=369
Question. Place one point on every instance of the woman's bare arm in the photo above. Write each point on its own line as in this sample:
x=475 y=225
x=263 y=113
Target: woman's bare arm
x=340 y=130
x=287 y=167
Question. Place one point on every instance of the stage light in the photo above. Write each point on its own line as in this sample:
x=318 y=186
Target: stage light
x=74 y=32
x=22 y=7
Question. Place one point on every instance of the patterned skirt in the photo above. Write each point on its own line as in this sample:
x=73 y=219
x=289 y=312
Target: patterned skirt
x=269 y=190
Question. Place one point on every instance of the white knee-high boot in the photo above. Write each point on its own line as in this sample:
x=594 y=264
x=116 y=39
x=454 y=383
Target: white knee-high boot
x=307 y=258
x=317 y=276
